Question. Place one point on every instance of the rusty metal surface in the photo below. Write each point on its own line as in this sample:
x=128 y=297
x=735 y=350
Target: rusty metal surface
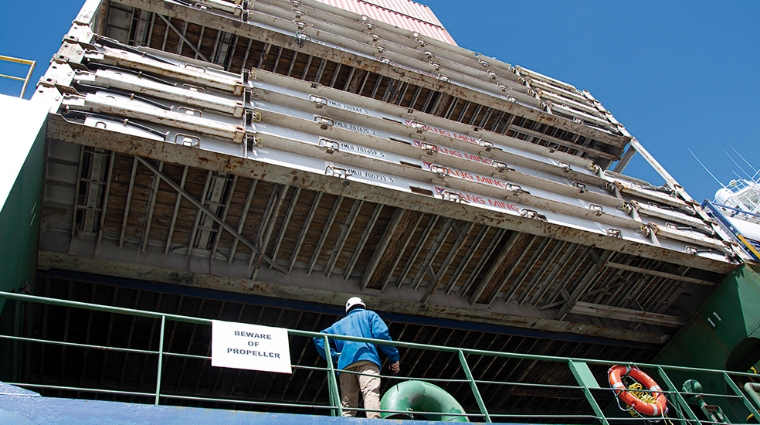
x=421 y=239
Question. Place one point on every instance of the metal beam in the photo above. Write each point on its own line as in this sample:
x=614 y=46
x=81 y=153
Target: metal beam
x=304 y=229
x=126 y=204
x=628 y=315
x=243 y=216
x=362 y=241
x=151 y=206
x=417 y=249
x=344 y=232
x=199 y=213
x=436 y=280
x=176 y=211
x=104 y=206
x=325 y=233
x=382 y=247
x=227 y=202
x=266 y=218
x=479 y=266
x=596 y=268
x=524 y=272
x=661 y=274
x=467 y=258
x=182 y=36
x=272 y=223
x=553 y=274
x=541 y=270
x=285 y=223
x=432 y=253
x=200 y=206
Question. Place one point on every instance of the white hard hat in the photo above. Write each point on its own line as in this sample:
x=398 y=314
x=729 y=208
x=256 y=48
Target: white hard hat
x=354 y=301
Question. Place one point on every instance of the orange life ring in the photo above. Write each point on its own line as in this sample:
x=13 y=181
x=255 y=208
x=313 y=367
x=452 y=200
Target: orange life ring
x=658 y=408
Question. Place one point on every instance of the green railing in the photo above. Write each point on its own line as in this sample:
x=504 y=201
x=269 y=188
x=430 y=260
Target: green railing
x=599 y=399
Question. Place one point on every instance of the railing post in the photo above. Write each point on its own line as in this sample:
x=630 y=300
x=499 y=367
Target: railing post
x=474 y=386
x=160 y=358
x=586 y=380
x=331 y=381
x=752 y=409
x=16 y=332
x=681 y=401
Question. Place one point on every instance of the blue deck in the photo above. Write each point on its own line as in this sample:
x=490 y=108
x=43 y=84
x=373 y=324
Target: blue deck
x=19 y=406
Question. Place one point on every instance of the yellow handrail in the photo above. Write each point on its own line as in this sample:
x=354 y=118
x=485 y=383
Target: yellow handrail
x=28 y=74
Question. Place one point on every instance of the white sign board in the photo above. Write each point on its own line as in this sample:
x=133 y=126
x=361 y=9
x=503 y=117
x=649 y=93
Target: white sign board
x=252 y=347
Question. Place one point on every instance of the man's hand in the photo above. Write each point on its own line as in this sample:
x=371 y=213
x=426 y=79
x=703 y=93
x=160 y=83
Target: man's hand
x=396 y=367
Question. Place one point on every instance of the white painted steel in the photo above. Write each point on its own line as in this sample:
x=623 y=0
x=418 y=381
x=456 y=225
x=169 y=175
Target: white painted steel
x=108 y=103
x=345 y=40
x=688 y=236
x=203 y=76
x=667 y=214
x=291 y=91
x=226 y=6
x=638 y=190
x=189 y=94
x=393 y=43
x=348 y=19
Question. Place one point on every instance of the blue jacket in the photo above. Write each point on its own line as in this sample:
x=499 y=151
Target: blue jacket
x=360 y=323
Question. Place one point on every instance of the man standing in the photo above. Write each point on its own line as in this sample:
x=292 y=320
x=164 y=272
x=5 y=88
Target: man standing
x=359 y=357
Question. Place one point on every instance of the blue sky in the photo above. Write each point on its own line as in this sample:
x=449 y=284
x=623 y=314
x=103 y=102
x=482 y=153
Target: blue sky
x=678 y=75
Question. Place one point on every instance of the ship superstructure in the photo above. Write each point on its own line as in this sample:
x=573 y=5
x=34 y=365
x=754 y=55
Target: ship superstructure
x=261 y=161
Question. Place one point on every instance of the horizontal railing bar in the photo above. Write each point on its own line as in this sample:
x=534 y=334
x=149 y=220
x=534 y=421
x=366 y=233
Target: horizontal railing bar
x=103 y=308
x=187 y=356
x=529 y=384
x=74 y=344
x=11 y=77
x=509 y=415
x=186 y=319
x=16 y=60
x=664 y=391
x=705 y=394
x=399 y=378
x=654 y=418
x=257 y=403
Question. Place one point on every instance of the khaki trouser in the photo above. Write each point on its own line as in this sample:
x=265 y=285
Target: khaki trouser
x=351 y=384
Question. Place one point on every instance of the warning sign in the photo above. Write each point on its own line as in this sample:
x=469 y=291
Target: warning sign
x=252 y=347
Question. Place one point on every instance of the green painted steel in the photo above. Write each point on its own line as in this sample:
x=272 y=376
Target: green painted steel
x=332 y=382
x=20 y=203
x=474 y=387
x=21 y=178
x=423 y=399
x=724 y=334
x=583 y=375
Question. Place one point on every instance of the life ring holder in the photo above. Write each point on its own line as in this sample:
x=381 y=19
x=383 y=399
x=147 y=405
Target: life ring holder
x=659 y=404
